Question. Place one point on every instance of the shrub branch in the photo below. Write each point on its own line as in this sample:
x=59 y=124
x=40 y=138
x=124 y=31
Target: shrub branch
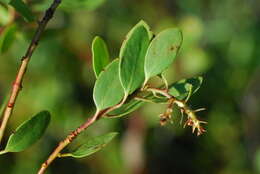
x=17 y=85
x=56 y=153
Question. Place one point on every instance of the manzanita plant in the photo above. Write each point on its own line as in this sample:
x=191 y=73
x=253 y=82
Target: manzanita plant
x=121 y=87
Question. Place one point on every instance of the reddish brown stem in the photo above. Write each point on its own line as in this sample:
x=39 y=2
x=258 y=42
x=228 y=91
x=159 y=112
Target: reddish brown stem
x=25 y=60
x=75 y=133
x=68 y=140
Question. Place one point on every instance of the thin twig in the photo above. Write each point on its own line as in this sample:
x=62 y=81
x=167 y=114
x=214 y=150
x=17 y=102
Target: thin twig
x=17 y=85
x=67 y=140
x=75 y=133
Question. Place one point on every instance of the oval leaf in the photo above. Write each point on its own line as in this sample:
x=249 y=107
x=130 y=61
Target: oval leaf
x=100 y=55
x=125 y=109
x=7 y=38
x=161 y=52
x=132 y=54
x=91 y=146
x=28 y=132
x=181 y=89
x=108 y=90
x=23 y=9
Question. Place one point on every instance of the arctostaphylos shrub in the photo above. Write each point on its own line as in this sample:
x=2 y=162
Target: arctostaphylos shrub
x=121 y=87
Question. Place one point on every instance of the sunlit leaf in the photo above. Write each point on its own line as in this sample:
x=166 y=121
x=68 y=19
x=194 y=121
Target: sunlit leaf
x=92 y=145
x=180 y=89
x=132 y=54
x=28 y=132
x=108 y=90
x=100 y=55
x=23 y=9
x=7 y=38
x=162 y=51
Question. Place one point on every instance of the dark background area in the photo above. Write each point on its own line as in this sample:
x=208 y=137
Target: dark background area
x=221 y=43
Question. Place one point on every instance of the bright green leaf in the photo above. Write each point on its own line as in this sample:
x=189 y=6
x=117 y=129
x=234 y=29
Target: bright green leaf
x=91 y=146
x=180 y=89
x=125 y=109
x=7 y=38
x=23 y=9
x=132 y=54
x=100 y=55
x=28 y=132
x=108 y=90
x=161 y=52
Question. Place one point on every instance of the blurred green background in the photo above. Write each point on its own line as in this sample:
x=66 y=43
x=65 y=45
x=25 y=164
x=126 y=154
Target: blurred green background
x=221 y=43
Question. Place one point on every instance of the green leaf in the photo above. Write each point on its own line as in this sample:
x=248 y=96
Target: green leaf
x=161 y=52
x=108 y=90
x=28 y=132
x=7 y=38
x=180 y=89
x=100 y=55
x=132 y=54
x=91 y=146
x=81 y=4
x=23 y=9
x=125 y=109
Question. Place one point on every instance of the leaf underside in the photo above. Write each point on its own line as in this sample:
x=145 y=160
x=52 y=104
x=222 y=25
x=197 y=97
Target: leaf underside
x=93 y=145
x=179 y=90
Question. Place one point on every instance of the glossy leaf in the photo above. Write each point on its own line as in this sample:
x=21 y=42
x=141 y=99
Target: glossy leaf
x=100 y=55
x=132 y=54
x=108 y=90
x=125 y=109
x=161 y=52
x=180 y=89
x=93 y=145
x=28 y=132
x=23 y=9
x=7 y=38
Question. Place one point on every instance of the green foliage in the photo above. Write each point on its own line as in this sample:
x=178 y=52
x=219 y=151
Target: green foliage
x=23 y=9
x=125 y=109
x=182 y=88
x=91 y=146
x=162 y=51
x=100 y=55
x=132 y=54
x=28 y=132
x=7 y=38
x=108 y=90
x=71 y=6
